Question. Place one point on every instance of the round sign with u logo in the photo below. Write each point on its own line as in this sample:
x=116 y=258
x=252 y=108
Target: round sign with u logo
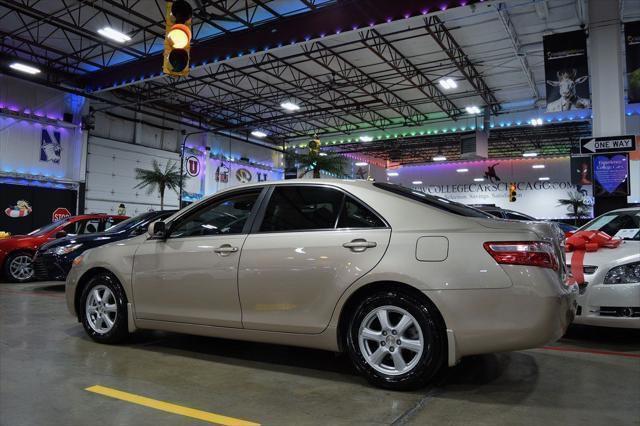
x=193 y=166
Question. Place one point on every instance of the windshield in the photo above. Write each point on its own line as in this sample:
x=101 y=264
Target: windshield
x=624 y=224
x=130 y=223
x=47 y=228
x=438 y=202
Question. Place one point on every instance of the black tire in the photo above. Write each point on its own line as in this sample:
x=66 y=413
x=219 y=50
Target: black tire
x=7 y=267
x=119 y=331
x=434 y=353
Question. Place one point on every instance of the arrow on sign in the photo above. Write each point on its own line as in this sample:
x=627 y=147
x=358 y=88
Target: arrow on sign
x=591 y=145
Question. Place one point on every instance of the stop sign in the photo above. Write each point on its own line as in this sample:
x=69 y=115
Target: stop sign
x=60 y=213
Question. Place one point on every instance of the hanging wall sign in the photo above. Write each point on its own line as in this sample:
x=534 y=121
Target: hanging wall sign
x=611 y=175
x=192 y=164
x=632 y=47
x=50 y=147
x=566 y=71
x=62 y=213
x=608 y=144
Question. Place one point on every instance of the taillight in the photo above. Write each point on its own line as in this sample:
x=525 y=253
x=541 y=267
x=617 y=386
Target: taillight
x=533 y=253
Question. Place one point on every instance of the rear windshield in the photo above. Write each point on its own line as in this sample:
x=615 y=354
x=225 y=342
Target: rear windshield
x=437 y=202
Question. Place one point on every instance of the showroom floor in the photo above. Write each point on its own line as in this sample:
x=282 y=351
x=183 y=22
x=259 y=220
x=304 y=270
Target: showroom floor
x=47 y=362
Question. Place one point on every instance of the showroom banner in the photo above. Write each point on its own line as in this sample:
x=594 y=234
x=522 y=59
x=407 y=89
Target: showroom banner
x=611 y=175
x=540 y=183
x=25 y=208
x=195 y=171
x=224 y=174
x=566 y=71
x=632 y=50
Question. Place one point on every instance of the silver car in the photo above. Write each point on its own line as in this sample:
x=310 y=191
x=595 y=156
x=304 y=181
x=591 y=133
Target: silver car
x=404 y=282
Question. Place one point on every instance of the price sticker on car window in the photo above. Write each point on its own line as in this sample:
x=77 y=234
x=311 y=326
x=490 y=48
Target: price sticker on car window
x=627 y=234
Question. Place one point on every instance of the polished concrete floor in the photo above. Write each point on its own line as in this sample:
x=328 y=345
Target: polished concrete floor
x=591 y=377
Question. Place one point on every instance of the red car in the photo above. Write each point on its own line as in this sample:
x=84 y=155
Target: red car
x=16 y=252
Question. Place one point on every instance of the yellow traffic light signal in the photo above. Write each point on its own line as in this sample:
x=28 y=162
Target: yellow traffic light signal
x=512 y=192
x=177 y=41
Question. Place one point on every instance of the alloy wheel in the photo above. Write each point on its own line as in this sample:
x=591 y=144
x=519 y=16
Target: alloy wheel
x=101 y=309
x=21 y=267
x=391 y=340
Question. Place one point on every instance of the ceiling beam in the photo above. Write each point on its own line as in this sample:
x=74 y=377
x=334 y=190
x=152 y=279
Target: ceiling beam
x=439 y=32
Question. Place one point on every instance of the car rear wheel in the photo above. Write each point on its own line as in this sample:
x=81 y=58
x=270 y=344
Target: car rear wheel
x=103 y=309
x=18 y=267
x=396 y=341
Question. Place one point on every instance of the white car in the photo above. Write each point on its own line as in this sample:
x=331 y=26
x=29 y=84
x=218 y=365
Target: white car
x=610 y=296
x=402 y=281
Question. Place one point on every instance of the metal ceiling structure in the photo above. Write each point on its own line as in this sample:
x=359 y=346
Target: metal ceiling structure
x=352 y=66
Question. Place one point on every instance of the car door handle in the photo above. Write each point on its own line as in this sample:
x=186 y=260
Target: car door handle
x=225 y=250
x=359 y=244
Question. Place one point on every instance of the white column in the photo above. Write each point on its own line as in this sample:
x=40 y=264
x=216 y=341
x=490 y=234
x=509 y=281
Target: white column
x=606 y=68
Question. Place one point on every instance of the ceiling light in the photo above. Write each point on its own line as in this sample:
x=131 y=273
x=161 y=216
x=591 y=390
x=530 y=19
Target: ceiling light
x=536 y=121
x=478 y=179
x=473 y=110
x=448 y=83
x=543 y=178
x=391 y=174
x=416 y=182
x=366 y=138
x=290 y=106
x=322 y=154
x=24 y=68
x=538 y=166
x=530 y=154
x=439 y=158
x=462 y=170
x=361 y=164
x=114 y=35
x=259 y=134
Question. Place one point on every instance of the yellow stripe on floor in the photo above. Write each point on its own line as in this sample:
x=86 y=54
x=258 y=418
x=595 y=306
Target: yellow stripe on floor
x=169 y=408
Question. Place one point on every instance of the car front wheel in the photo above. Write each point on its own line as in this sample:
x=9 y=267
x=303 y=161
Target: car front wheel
x=103 y=309
x=18 y=267
x=397 y=341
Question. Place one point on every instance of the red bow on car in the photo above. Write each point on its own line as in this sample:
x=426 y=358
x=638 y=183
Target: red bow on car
x=586 y=241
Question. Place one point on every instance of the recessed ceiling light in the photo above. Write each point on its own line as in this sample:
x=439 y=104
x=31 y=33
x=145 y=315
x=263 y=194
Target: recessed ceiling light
x=439 y=158
x=543 y=178
x=24 y=68
x=538 y=166
x=416 y=182
x=259 y=134
x=473 y=110
x=462 y=170
x=478 y=179
x=448 y=83
x=361 y=164
x=393 y=174
x=114 y=35
x=366 y=138
x=530 y=154
x=290 y=106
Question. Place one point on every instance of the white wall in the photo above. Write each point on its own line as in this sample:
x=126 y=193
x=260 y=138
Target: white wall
x=111 y=177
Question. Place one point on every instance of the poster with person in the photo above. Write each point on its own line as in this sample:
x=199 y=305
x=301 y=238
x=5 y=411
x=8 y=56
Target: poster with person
x=566 y=71
x=632 y=50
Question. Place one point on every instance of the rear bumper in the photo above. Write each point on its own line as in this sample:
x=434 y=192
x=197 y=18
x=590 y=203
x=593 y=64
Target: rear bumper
x=535 y=311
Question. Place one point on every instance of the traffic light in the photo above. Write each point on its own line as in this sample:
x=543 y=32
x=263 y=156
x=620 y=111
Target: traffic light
x=177 y=40
x=512 y=192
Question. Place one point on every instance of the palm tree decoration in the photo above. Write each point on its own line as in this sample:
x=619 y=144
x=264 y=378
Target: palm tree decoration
x=159 y=179
x=577 y=205
x=313 y=162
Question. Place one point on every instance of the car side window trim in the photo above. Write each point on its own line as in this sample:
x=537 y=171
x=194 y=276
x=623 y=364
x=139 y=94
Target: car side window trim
x=215 y=200
x=255 y=229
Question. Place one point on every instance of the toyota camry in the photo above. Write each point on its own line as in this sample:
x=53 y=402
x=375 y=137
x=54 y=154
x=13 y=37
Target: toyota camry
x=405 y=283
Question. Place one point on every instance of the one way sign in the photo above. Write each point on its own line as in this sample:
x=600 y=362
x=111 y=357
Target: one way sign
x=607 y=144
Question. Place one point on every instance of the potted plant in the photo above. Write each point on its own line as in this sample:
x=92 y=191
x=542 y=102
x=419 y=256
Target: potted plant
x=577 y=204
x=160 y=179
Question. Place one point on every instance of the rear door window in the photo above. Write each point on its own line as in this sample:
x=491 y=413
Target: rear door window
x=302 y=208
x=356 y=215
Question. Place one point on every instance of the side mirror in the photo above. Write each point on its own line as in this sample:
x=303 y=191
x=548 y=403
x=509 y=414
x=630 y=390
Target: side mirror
x=157 y=229
x=61 y=234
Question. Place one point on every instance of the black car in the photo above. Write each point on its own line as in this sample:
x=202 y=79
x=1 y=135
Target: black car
x=53 y=260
